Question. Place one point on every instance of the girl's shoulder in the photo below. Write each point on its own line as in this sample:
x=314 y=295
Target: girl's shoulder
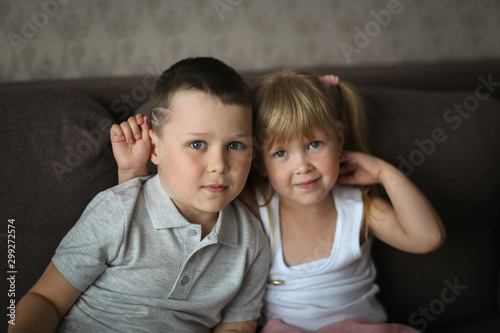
x=347 y=192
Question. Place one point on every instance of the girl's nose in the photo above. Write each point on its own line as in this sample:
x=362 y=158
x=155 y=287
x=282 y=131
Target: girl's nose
x=302 y=165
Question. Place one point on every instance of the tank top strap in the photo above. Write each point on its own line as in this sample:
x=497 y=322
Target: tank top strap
x=349 y=204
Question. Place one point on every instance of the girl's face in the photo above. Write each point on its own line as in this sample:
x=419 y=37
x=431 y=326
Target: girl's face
x=303 y=171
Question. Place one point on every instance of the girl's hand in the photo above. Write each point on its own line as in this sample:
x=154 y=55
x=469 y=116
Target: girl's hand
x=131 y=147
x=408 y=222
x=359 y=168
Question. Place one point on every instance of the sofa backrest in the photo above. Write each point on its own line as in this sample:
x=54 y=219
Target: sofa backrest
x=437 y=123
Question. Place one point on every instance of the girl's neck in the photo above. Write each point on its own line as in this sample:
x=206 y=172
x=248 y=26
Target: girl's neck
x=307 y=232
x=288 y=209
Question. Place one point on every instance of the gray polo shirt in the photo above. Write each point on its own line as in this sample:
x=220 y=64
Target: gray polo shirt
x=143 y=268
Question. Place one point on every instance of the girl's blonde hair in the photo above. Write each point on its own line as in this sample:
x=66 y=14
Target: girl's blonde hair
x=290 y=104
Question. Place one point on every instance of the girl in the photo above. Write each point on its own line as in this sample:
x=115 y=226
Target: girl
x=310 y=154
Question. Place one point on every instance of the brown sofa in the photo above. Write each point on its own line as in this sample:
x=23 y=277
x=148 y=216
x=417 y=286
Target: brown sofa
x=439 y=123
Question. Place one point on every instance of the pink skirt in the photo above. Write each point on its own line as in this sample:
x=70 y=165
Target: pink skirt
x=354 y=325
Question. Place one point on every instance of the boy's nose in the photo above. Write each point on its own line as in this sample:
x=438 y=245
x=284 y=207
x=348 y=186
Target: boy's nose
x=218 y=162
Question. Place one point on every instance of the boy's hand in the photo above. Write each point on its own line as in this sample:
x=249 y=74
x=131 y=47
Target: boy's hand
x=131 y=147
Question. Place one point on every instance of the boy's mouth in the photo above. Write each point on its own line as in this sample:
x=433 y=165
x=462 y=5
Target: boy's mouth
x=215 y=188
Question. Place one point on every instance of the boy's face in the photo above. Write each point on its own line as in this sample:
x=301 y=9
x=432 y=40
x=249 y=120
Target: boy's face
x=204 y=154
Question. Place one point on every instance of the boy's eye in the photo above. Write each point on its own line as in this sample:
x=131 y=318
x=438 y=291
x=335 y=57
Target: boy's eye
x=314 y=144
x=236 y=145
x=198 y=145
x=281 y=153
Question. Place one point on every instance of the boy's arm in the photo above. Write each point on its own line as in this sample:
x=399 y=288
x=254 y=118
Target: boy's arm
x=131 y=147
x=410 y=224
x=242 y=327
x=43 y=307
x=248 y=301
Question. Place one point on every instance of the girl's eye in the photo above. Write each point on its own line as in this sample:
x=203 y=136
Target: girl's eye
x=198 y=145
x=236 y=145
x=314 y=144
x=281 y=153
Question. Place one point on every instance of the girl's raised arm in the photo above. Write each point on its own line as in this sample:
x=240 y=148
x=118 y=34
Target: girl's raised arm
x=410 y=224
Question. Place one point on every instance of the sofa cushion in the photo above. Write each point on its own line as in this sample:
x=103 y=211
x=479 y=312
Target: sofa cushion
x=56 y=156
x=439 y=140
x=448 y=144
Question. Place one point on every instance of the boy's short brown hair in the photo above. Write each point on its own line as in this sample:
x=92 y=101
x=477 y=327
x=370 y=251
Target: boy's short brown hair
x=205 y=74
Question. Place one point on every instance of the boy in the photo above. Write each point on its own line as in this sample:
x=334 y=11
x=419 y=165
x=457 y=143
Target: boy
x=172 y=252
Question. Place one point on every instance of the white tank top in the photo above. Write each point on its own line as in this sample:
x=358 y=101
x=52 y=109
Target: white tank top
x=328 y=290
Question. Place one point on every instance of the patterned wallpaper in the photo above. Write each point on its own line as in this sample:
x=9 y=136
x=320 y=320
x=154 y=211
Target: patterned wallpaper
x=50 y=39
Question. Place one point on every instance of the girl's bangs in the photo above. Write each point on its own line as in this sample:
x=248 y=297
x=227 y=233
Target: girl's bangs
x=293 y=117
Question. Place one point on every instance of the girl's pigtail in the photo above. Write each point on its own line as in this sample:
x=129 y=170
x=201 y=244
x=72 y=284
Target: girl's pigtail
x=355 y=126
x=353 y=118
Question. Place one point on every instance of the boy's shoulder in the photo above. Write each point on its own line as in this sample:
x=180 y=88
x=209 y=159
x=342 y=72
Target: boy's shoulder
x=247 y=221
x=127 y=190
x=118 y=197
x=243 y=212
x=132 y=185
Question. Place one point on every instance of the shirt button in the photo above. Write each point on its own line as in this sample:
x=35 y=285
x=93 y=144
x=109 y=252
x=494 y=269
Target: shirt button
x=193 y=258
x=185 y=280
x=191 y=232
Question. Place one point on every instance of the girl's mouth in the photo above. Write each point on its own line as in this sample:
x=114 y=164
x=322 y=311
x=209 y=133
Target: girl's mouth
x=308 y=184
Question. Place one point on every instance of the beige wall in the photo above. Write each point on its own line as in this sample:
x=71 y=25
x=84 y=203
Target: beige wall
x=74 y=38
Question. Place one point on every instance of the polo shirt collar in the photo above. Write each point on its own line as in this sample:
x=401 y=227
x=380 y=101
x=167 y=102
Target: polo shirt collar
x=164 y=214
x=226 y=227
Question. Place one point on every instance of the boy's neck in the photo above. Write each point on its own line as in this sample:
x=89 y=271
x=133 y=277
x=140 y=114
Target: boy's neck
x=206 y=228
x=206 y=220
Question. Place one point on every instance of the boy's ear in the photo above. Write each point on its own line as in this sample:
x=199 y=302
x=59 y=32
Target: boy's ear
x=154 y=147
